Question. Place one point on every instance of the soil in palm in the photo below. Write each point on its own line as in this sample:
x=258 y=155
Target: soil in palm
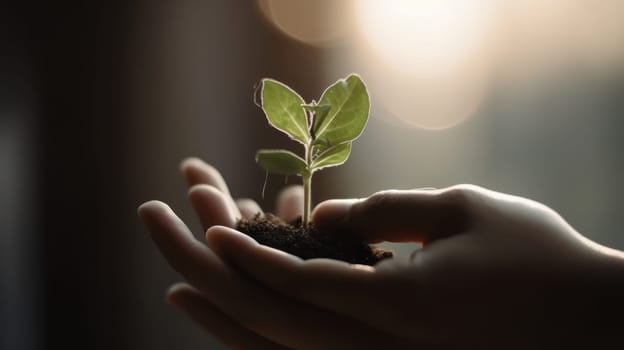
x=308 y=242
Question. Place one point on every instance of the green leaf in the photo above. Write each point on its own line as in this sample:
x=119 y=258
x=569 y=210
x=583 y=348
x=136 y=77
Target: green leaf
x=349 y=108
x=281 y=162
x=332 y=156
x=320 y=111
x=283 y=109
x=319 y=146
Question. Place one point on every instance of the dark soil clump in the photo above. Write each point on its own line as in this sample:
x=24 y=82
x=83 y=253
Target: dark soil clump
x=308 y=242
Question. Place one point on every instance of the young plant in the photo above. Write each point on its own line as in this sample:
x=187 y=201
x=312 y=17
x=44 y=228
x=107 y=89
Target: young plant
x=325 y=128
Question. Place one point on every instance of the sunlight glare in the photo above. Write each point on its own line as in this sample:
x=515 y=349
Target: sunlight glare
x=424 y=59
x=423 y=37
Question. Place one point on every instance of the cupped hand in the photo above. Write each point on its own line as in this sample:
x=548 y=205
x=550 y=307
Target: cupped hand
x=496 y=271
x=239 y=311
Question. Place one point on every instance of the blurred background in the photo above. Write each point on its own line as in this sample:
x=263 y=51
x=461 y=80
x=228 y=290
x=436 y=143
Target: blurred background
x=100 y=101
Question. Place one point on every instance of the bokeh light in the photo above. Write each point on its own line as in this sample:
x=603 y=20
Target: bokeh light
x=423 y=37
x=319 y=23
x=431 y=63
x=424 y=60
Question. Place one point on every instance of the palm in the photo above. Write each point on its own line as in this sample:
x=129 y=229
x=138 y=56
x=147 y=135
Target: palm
x=492 y=273
x=234 y=308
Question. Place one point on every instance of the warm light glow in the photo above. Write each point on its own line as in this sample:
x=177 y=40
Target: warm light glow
x=535 y=39
x=318 y=22
x=423 y=37
x=430 y=63
x=424 y=59
x=425 y=103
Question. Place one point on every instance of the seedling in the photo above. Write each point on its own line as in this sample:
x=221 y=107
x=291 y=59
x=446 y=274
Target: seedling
x=325 y=128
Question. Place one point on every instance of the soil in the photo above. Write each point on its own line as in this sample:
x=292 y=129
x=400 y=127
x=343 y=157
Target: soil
x=308 y=242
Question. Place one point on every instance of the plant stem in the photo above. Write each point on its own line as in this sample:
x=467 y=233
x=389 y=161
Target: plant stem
x=307 y=182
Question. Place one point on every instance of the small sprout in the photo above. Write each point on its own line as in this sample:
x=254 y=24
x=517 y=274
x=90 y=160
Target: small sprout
x=325 y=128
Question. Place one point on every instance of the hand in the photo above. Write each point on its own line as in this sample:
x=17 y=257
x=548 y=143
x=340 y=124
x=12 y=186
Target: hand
x=496 y=272
x=240 y=312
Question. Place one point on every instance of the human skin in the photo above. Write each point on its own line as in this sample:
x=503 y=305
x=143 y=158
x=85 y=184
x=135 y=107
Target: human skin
x=496 y=272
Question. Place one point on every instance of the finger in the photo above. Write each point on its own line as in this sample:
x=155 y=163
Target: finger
x=197 y=172
x=177 y=244
x=400 y=216
x=211 y=206
x=248 y=208
x=214 y=321
x=356 y=291
x=266 y=313
x=290 y=203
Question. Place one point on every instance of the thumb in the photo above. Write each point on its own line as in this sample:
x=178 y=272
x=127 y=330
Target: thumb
x=401 y=216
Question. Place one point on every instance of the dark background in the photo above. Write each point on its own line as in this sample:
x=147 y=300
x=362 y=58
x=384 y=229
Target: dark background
x=100 y=101
x=82 y=154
